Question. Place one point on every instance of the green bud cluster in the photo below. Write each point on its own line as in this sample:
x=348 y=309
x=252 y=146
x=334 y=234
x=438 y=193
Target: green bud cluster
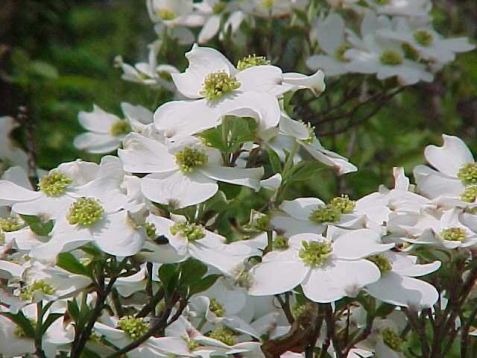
x=325 y=214
x=391 y=58
x=392 y=339
x=150 y=230
x=468 y=174
x=343 y=204
x=10 y=224
x=36 y=288
x=216 y=308
x=166 y=14
x=133 y=327
x=280 y=243
x=224 y=335
x=423 y=38
x=251 y=61
x=189 y=231
x=85 y=212
x=54 y=184
x=382 y=262
x=315 y=253
x=341 y=51
x=454 y=234
x=470 y=194
x=119 y=128
x=190 y=158
x=218 y=84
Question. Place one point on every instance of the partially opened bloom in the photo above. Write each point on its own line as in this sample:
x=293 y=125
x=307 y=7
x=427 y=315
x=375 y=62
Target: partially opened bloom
x=397 y=284
x=106 y=130
x=327 y=270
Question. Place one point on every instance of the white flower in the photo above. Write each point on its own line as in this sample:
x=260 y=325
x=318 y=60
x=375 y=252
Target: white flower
x=220 y=89
x=183 y=174
x=330 y=34
x=106 y=130
x=411 y=8
x=429 y=44
x=312 y=215
x=173 y=12
x=386 y=59
x=326 y=270
x=397 y=284
x=455 y=171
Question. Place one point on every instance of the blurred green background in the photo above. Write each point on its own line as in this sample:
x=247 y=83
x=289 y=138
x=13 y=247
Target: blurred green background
x=56 y=58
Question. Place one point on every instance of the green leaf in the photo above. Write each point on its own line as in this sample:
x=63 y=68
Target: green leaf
x=169 y=277
x=73 y=309
x=71 y=264
x=191 y=271
x=203 y=284
x=37 y=225
x=43 y=69
x=274 y=160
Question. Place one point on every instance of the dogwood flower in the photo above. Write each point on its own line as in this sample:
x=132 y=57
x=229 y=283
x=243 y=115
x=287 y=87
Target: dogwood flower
x=337 y=266
x=397 y=284
x=183 y=174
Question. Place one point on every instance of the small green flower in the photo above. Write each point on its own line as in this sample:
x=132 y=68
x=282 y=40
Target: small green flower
x=341 y=51
x=391 y=58
x=189 y=231
x=133 y=327
x=470 y=194
x=218 y=84
x=19 y=332
x=10 y=224
x=392 y=339
x=315 y=253
x=190 y=158
x=119 y=128
x=251 y=61
x=468 y=174
x=325 y=214
x=39 y=287
x=423 y=38
x=382 y=262
x=166 y=14
x=85 y=212
x=216 y=308
x=191 y=345
x=454 y=234
x=343 y=204
x=54 y=184
x=224 y=335
x=2 y=238
x=280 y=243
x=268 y=4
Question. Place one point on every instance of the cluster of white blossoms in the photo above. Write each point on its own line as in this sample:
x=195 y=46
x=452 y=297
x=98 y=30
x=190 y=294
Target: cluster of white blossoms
x=387 y=38
x=132 y=256
x=148 y=254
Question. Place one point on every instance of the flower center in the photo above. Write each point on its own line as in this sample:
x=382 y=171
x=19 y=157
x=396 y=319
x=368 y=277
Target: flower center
x=2 y=238
x=454 y=234
x=19 y=332
x=189 y=231
x=166 y=14
x=219 y=7
x=343 y=204
x=54 y=184
x=216 y=307
x=223 y=335
x=133 y=327
x=85 y=212
x=325 y=214
x=391 y=58
x=190 y=158
x=150 y=230
x=382 y=262
x=280 y=243
x=314 y=253
x=410 y=52
x=423 y=38
x=218 y=84
x=119 y=128
x=191 y=345
x=468 y=173
x=392 y=339
x=251 y=61
x=39 y=287
x=470 y=194
x=10 y=224
x=340 y=52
